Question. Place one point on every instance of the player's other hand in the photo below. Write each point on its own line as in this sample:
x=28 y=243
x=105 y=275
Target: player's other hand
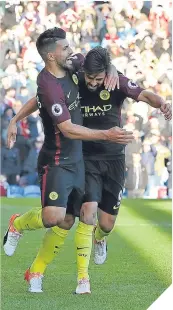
x=11 y=134
x=166 y=109
x=111 y=80
x=119 y=135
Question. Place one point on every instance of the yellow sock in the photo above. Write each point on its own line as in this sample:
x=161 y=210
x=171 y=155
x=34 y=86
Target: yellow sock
x=83 y=241
x=100 y=234
x=30 y=220
x=52 y=242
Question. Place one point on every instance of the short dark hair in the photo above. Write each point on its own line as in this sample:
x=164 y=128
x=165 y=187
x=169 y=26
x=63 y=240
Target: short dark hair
x=97 y=60
x=46 y=40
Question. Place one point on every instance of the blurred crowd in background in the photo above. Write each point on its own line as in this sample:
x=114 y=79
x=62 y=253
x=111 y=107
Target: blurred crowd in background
x=138 y=35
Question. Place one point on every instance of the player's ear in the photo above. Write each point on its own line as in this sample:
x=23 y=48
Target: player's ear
x=50 y=57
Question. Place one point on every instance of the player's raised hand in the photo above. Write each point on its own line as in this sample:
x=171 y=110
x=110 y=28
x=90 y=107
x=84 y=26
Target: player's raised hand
x=166 y=109
x=119 y=135
x=111 y=80
x=11 y=134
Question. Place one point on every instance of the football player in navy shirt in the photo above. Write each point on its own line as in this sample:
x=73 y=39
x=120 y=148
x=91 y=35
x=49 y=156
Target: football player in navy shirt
x=104 y=160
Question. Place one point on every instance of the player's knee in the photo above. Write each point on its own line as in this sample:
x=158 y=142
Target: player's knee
x=53 y=216
x=48 y=223
x=68 y=222
x=107 y=224
x=88 y=213
x=60 y=219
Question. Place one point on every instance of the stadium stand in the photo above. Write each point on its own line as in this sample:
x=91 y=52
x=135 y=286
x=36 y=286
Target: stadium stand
x=138 y=35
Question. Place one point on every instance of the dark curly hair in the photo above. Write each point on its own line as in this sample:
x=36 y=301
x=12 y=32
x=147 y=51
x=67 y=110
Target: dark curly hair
x=46 y=41
x=97 y=60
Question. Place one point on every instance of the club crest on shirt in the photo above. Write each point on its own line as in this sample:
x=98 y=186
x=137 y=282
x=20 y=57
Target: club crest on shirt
x=57 y=109
x=75 y=79
x=132 y=84
x=53 y=195
x=104 y=94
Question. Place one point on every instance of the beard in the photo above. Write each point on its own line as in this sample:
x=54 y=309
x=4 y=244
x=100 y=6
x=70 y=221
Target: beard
x=63 y=64
x=93 y=89
x=68 y=64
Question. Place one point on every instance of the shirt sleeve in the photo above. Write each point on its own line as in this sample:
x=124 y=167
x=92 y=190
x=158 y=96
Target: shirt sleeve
x=51 y=97
x=130 y=88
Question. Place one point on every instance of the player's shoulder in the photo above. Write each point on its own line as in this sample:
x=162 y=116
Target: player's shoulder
x=46 y=80
x=76 y=76
x=121 y=78
x=125 y=81
x=44 y=76
x=81 y=76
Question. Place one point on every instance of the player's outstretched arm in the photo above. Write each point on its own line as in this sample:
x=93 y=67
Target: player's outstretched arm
x=157 y=102
x=115 y=134
x=26 y=110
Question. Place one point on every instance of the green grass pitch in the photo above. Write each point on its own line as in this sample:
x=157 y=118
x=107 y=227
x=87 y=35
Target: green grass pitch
x=137 y=270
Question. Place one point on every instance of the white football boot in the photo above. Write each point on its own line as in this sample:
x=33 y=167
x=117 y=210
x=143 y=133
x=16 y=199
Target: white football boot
x=34 y=280
x=83 y=287
x=11 y=237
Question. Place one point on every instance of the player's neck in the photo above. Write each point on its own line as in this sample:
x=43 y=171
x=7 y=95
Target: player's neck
x=58 y=72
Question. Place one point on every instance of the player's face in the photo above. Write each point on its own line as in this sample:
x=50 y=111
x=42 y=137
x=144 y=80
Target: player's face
x=62 y=53
x=94 y=81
